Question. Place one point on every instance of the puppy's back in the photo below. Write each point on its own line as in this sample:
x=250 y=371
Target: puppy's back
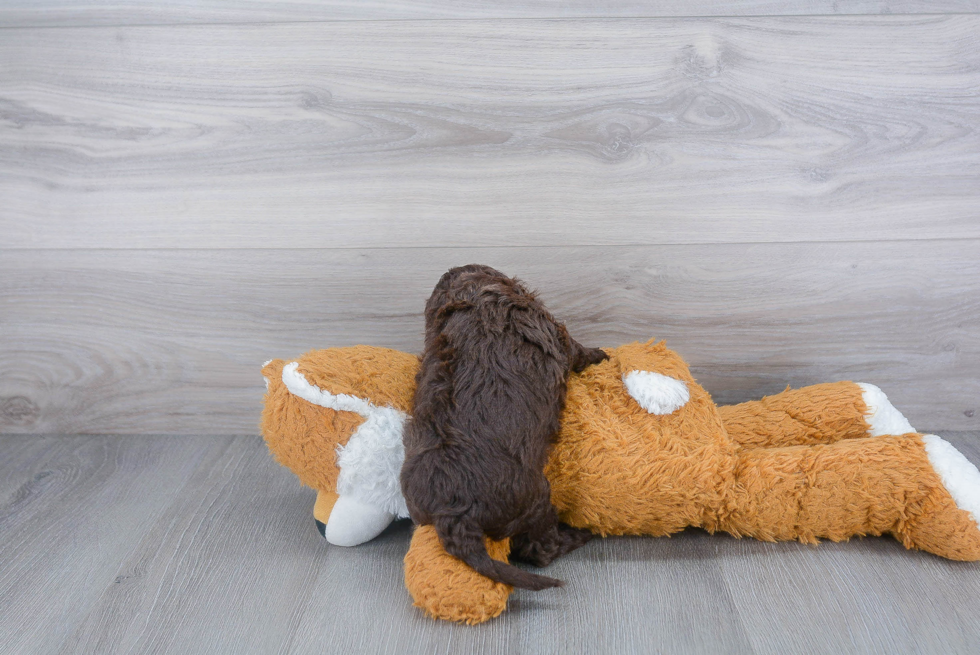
x=490 y=391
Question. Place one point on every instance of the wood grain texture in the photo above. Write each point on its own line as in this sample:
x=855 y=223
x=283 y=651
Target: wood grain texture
x=172 y=341
x=80 y=506
x=479 y=133
x=621 y=596
x=862 y=596
x=16 y=451
x=33 y=13
x=867 y=595
x=228 y=560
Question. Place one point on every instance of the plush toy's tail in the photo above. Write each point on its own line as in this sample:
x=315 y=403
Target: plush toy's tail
x=463 y=539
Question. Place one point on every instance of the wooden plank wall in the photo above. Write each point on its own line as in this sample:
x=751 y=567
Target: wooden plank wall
x=788 y=193
x=32 y=13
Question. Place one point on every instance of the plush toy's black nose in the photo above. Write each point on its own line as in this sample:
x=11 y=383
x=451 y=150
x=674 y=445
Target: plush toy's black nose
x=322 y=527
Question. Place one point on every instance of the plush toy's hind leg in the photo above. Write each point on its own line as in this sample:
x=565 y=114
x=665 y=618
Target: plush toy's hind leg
x=821 y=413
x=918 y=488
x=447 y=588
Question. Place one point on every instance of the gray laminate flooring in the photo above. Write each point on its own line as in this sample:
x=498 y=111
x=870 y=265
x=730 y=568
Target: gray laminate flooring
x=202 y=544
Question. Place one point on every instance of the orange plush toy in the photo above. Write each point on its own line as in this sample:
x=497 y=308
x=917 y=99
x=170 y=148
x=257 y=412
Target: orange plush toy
x=642 y=450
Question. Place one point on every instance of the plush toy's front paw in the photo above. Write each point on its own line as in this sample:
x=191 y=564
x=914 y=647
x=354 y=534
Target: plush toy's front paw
x=345 y=521
x=321 y=510
x=446 y=588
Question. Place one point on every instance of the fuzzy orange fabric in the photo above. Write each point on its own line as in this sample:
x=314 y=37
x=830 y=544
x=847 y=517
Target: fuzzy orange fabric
x=304 y=437
x=611 y=452
x=446 y=588
x=325 y=500
x=936 y=525
x=377 y=374
x=830 y=491
x=820 y=413
x=798 y=465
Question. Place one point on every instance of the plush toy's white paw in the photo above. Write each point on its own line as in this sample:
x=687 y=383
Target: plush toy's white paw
x=352 y=522
x=656 y=393
x=960 y=477
x=882 y=416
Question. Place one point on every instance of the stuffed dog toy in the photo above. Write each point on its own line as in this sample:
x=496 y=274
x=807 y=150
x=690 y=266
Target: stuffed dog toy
x=642 y=450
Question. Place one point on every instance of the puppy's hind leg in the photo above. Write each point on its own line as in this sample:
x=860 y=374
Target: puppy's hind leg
x=547 y=538
x=572 y=538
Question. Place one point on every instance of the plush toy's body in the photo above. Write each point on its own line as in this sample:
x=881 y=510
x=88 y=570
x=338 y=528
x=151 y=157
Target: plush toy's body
x=642 y=450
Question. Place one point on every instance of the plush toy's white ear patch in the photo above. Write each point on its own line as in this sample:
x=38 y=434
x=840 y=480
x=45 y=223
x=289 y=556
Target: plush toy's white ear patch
x=656 y=393
x=265 y=378
x=960 y=477
x=298 y=385
x=371 y=461
x=882 y=417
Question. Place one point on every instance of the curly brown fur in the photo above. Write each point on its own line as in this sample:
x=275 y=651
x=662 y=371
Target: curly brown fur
x=490 y=389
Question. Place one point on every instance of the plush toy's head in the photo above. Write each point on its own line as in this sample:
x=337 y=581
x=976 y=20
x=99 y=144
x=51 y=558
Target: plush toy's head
x=335 y=418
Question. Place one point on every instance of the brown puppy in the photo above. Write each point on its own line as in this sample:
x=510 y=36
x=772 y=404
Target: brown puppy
x=489 y=393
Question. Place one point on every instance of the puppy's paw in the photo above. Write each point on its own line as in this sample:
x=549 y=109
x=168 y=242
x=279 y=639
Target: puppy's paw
x=573 y=538
x=536 y=553
x=542 y=552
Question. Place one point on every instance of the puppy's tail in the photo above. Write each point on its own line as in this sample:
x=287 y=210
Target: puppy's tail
x=463 y=539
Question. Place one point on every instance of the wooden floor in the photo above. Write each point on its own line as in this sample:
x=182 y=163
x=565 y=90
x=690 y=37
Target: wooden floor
x=202 y=544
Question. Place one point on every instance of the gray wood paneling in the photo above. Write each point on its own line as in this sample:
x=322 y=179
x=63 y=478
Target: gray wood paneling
x=529 y=132
x=25 y=13
x=172 y=341
x=203 y=545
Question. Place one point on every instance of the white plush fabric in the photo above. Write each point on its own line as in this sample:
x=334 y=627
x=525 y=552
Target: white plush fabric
x=352 y=522
x=265 y=378
x=371 y=462
x=960 y=477
x=882 y=416
x=656 y=393
x=298 y=385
